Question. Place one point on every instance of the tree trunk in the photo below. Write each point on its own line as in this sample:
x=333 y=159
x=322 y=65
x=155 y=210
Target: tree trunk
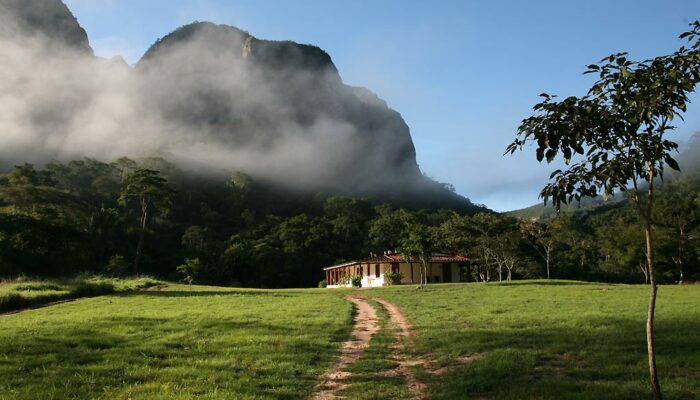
x=548 y=261
x=420 y=268
x=681 y=254
x=643 y=267
x=142 y=231
x=653 y=378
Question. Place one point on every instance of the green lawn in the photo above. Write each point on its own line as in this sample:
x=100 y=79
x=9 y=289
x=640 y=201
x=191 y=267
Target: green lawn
x=210 y=344
x=555 y=340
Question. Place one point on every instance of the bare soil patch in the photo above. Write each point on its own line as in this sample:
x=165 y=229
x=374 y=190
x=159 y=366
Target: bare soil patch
x=366 y=325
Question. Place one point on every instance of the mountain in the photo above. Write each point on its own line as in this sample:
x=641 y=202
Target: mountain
x=49 y=18
x=208 y=96
x=270 y=97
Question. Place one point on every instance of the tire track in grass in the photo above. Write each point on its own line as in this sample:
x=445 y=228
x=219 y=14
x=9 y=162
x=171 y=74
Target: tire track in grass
x=365 y=326
x=405 y=363
x=404 y=341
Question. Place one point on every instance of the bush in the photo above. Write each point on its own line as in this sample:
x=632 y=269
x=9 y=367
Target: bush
x=393 y=278
x=16 y=295
x=189 y=270
x=322 y=283
x=116 y=265
x=356 y=281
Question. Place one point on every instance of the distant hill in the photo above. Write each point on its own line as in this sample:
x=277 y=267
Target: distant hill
x=688 y=159
x=542 y=212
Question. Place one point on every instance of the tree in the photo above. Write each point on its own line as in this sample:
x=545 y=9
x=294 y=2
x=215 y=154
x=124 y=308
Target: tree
x=617 y=134
x=387 y=229
x=349 y=219
x=542 y=238
x=418 y=244
x=678 y=210
x=189 y=270
x=148 y=190
x=492 y=243
x=503 y=250
x=25 y=174
x=459 y=236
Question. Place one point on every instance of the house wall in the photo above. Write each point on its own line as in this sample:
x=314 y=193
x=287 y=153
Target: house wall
x=370 y=279
x=435 y=272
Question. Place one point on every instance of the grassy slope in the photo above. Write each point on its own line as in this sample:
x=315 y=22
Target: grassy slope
x=555 y=340
x=209 y=344
x=18 y=294
x=559 y=340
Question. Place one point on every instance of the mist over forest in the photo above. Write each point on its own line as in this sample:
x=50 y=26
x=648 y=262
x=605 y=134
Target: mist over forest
x=207 y=97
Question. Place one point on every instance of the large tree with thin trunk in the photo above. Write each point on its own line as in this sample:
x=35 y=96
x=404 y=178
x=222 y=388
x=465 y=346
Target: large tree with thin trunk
x=541 y=237
x=418 y=244
x=150 y=192
x=614 y=139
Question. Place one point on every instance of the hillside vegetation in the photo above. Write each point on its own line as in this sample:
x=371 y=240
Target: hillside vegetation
x=21 y=293
x=73 y=217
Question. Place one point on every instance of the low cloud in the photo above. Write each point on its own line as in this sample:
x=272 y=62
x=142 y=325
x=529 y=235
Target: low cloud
x=210 y=95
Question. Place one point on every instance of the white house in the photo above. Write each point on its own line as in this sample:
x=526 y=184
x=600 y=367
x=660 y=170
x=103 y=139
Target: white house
x=441 y=268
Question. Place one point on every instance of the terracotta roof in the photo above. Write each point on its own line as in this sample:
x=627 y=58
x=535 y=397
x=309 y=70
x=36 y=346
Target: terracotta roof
x=343 y=265
x=398 y=257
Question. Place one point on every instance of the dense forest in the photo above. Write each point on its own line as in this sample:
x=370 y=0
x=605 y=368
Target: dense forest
x=331 y=169
x=149 y=217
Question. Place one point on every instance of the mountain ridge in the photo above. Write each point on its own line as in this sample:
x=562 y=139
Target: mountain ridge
x=209 y=93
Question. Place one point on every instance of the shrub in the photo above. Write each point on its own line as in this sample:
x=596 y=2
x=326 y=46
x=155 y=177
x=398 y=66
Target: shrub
x=27 y=293
x=322 y=283
x=356 y=281
x=393 y=278
x=189 y=270
x=116 y=265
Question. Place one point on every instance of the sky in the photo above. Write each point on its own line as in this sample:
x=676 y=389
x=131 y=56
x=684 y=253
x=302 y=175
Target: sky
x=463 y=74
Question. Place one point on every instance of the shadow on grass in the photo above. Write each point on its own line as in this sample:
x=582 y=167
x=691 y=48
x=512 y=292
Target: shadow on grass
x=544 y=283
x=243 y=358
x=606 y=359
x=207 y=293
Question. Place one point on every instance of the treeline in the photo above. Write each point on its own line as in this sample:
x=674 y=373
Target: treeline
x=150 y=217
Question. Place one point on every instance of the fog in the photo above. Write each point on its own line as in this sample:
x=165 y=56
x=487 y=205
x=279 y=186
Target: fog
x=209 y=95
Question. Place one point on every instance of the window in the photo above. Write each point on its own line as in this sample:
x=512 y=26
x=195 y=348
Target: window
x=376 y=270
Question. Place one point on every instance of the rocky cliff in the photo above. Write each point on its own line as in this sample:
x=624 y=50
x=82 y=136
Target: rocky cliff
x=214 y=95
x=49 y=18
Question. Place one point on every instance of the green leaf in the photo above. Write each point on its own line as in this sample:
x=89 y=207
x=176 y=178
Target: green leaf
x=672 y=163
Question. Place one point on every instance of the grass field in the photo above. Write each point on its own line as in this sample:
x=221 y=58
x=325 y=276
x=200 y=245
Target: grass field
x=554 y=340
x=25 y=292
x=545 y=340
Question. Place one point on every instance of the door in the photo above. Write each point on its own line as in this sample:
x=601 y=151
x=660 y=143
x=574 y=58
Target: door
x=447 y=272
